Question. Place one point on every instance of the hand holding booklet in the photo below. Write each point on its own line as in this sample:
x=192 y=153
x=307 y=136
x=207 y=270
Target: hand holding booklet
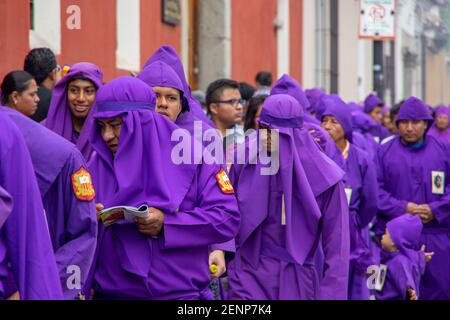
x=113 y=215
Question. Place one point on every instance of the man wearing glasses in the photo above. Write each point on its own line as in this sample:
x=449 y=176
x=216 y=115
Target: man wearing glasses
x=41 y=64
x=225 y=106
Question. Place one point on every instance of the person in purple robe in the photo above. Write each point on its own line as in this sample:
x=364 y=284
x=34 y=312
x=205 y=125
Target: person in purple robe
x=361 y=189
x=297 y=209
x=440 y=129
x=25 y=245
x=373 y=106
x=168 y=55
x=413 y=171
x=191 y=207
x=72 y=101
x=288 y=85
x=172 y=102
x=404 y=259
x=68 y=205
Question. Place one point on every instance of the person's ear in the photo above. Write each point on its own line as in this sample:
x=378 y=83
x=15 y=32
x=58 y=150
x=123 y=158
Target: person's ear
x=214 y=109
x=14 y=97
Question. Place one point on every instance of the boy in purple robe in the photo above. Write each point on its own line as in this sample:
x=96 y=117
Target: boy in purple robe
x=404 y=261
x=168 y=55
x=440 y=129
x=25 y=244
x=283 y=223
x=361 y=188
x=72 y=101
x=413 y=171
x=68 y=205
x=289 y=86
x=163 y=256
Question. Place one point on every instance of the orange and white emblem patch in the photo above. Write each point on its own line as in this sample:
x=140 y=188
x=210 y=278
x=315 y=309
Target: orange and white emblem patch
x=82 y=185
x=224 y=182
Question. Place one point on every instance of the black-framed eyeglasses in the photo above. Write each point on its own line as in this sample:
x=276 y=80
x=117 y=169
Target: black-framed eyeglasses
x=233 y=102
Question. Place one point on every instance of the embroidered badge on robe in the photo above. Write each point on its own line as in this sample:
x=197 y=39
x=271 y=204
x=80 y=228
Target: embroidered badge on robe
x=82 y=185
x=224 y=182
x=438 y=182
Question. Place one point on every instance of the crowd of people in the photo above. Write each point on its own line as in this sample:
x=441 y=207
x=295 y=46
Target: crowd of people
x=357 y=207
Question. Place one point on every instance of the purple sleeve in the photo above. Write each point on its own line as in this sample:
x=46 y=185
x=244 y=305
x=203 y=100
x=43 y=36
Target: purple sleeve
x=27 y=237
x=369 y=196
x=335 y=243
x=229 y=246
x=214 y=219
x=76 y=252
x=401 y=277
x=389 y=206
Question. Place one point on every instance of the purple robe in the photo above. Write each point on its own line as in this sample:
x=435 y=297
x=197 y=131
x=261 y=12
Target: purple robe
x=59 y=117
x=289 y=86
x=5 y=206
x=409 y=174
x=406 y=266
x=443 y=136
x=72 y=222
x=197 y=213
x=361 y=183
x=276 y=260
x=24 y=239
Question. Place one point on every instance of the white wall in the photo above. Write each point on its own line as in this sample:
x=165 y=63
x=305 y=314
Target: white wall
x=309 y=43
x=128 y=52
x=185 y=35
x=228 y=60
x=355 y=55
x=47 y=25
x=283 y=41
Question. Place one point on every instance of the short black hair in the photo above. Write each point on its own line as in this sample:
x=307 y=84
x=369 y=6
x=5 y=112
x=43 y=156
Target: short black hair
x=252 y=110
x=216 y=89
x=40 y=62
x=15 y=81
x=246 y=90
x=264 y=78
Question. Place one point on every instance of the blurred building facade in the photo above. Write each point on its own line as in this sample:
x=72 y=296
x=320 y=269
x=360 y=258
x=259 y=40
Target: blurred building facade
x=315 y=41
x=215 y=38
